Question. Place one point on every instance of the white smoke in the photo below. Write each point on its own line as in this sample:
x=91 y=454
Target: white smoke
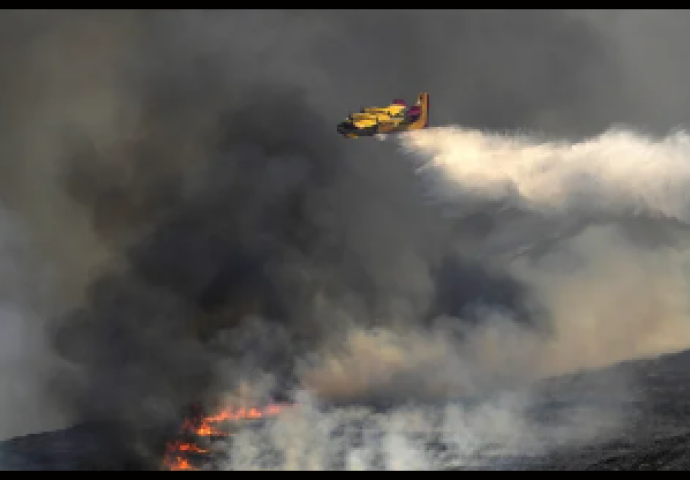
x=618 y=173
x=451 y=436
x=606 y=297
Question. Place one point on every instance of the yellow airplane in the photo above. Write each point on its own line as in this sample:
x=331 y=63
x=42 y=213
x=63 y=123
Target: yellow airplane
x=391 y=119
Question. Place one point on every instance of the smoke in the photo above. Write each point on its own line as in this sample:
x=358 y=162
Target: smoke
x=358 y=438
x=602 y=295
x=24 y=357
x=610 y=290
x=495 y=433
x=57 y=80
x=198 y=229
x=598 y=294
x=617 y=174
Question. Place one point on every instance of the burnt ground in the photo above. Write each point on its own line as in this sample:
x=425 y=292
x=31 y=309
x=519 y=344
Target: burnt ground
x=657 y=437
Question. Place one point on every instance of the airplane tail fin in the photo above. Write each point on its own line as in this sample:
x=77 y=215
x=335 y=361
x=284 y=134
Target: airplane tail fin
x=423 y=101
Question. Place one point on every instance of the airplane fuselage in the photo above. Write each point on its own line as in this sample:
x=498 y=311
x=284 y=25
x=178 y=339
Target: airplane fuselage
x=381 y=120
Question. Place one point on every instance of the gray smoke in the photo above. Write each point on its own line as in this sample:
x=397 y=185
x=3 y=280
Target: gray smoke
x=202 y=227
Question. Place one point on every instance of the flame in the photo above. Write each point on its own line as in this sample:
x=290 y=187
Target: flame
x=207 y=427
x=176 y=464
x=188 y=447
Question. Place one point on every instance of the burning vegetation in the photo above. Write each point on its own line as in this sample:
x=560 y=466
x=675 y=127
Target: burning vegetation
x=193 y=446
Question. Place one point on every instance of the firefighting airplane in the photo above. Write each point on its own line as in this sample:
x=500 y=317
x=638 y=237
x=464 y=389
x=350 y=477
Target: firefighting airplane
x=391 y=119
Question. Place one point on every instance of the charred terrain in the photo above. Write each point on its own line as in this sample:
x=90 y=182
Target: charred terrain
x=657 y=436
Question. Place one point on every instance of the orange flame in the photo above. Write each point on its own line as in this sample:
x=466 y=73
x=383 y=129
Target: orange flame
x=177 y=464
x=187 y=447
x=206 y=427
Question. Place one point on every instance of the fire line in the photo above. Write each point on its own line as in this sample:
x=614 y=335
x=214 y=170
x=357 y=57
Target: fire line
x=175 y=458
